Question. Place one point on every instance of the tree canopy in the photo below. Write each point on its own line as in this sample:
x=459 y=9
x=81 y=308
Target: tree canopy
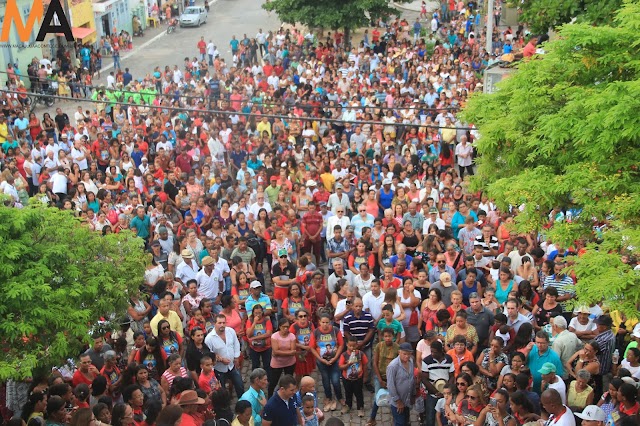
x=331 y=14
x=563 y=130
x=57 y=279
x=540 y=15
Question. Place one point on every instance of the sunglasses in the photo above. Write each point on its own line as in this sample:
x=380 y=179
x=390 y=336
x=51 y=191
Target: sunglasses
x=302 y=316
x=471 y=397
x=165 y=328
x=442 y=261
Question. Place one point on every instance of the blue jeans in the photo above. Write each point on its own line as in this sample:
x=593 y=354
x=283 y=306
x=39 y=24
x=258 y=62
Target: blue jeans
x=430 y=410
x=236 y=380
x=330 y=376
x=401 y=419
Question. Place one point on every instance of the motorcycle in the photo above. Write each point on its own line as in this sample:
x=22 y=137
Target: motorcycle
x=172 y=26
x=137 y=28
x=43 y=97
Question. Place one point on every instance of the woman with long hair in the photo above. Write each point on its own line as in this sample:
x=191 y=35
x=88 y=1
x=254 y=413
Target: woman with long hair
x=35 y=407
x=153 y=357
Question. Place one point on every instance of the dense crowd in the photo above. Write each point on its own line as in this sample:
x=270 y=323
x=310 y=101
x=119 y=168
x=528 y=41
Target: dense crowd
x=305 y=208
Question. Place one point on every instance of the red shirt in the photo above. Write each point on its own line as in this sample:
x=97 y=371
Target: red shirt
x=312 y=222
x=202 y=46
x=78 y=378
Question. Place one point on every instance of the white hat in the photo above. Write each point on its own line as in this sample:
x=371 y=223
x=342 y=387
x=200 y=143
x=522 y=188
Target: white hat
x=255 y=284
x=636 y=331
x=592 y=412
x=387 y=182
x=311 y=183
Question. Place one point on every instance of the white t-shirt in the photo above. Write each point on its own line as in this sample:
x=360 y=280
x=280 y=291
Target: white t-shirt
x=373 y=304
x=590 y=326
x=59 y=181
x=561 y=388
x=566 y=419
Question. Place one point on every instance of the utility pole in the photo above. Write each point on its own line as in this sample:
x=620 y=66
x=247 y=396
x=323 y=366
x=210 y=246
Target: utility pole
x=489 y=35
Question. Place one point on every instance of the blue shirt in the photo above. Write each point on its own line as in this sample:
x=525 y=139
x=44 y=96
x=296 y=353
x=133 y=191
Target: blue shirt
x=536 y=361
x=358 y=223
x=280 y=412
x=263 y=301
x=142 y=226
x=254 y=397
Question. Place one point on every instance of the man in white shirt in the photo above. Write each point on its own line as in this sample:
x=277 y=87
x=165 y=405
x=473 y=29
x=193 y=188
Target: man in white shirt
x=551 y=381
x=225 y=347
x=59 y=184
x=372 y=301
x=434 y=217
x=259 y=204
x=210 y=282
x=559 y=413
x=79 y=154
x=338 y=199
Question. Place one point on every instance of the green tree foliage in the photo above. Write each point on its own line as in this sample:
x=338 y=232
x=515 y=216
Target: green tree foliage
x=563 y=130
x=333 y=14
x=540 y=15
x=57 y=278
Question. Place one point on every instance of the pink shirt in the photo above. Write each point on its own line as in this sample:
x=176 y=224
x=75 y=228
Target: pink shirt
x=284 y=343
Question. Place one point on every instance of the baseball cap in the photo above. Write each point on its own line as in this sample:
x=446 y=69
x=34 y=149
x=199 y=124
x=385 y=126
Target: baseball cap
x=406 y=347
x=593 y=413
x=547 y=368
x=323 y=204
x=282 y=252
x=387 y=182
x=604 y=320
x=433 y=210
x=445 y=279
x=339 y=186
x=255 y=284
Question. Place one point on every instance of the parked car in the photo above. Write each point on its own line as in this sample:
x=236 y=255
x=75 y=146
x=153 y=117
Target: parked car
x=193 y=16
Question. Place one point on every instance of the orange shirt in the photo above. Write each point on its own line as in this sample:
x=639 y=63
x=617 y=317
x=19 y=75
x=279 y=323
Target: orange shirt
x=457 y=360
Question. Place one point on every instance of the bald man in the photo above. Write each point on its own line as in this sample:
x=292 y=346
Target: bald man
x=559 y=414
x=308 y=386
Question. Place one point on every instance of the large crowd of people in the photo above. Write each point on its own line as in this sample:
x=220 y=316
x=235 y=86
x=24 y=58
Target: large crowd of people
x=305 y=208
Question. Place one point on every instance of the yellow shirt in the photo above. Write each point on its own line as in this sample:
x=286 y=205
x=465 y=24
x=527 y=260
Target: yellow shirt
x=448 y=134
x=235 y=422
x=328 y=180
x=264 y=127
x=4 y=132
x=174 y=322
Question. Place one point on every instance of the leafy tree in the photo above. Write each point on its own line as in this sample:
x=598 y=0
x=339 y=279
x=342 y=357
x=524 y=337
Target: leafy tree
x=333 y=14
x=563 y=130
x=540 y=15
x=57 y=279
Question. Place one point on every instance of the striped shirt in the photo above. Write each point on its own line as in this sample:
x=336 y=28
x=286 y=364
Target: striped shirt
x=438 y=370
x=359 y=327
x=564 y=286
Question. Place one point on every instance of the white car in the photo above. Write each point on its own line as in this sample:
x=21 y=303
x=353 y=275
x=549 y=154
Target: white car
x=193 y=16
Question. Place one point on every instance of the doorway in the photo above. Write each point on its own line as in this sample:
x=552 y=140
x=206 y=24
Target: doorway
x=106 y=25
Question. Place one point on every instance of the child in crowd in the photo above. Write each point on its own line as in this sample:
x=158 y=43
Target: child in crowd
x=353 y=364
x=309 y=416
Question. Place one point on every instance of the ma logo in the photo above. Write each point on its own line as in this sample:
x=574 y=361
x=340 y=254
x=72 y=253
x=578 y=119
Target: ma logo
x=48 y=24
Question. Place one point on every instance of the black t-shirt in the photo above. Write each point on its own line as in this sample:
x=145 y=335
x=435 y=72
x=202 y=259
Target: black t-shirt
x=172 y=189
x=288 y=270
x=61 y=120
